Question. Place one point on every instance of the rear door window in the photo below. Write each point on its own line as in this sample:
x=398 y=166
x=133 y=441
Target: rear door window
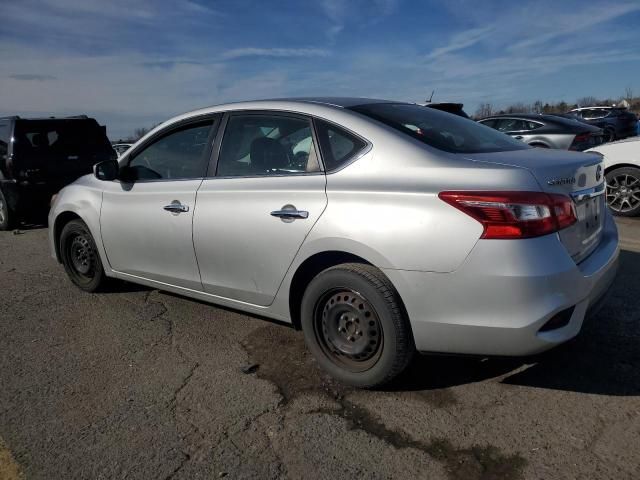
x=267 y=144
x=489 y=123
x=511 y=125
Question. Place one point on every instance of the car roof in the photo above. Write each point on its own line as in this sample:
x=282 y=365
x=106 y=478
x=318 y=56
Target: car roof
x=302 y=104
x=342 y=102
x=48 y=119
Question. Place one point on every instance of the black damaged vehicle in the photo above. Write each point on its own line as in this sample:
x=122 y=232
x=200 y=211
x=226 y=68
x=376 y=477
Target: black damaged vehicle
x=39 y=156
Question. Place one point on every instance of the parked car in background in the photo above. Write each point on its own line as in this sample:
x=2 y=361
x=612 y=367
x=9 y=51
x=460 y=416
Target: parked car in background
x=39 y=156
x=616 y=122
x=622 y=170
x=378 y=228
x=546 y=131
x=120 y=148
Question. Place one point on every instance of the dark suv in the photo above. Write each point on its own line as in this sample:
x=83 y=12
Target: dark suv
x=40 y=156
x=616 y=122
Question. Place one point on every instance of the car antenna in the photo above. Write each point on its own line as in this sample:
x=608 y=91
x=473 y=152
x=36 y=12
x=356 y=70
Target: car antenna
x=432 y=92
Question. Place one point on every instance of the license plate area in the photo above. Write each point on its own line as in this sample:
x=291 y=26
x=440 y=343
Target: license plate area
x=590 y=212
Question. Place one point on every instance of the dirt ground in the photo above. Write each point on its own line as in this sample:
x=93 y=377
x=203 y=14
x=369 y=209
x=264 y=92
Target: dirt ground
x=136 y=383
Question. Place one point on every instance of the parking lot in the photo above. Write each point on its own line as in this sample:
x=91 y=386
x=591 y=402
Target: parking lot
x=136 y=383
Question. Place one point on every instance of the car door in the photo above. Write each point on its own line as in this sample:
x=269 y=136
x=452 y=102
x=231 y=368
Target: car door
x=264 y=194
x=147 y=215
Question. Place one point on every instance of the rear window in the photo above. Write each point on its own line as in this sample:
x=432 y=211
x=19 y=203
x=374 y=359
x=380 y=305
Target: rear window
x=440 y=130
x=60 y=136
x=4 y=139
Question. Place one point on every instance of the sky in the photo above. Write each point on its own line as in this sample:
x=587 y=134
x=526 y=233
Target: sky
x=136 y=63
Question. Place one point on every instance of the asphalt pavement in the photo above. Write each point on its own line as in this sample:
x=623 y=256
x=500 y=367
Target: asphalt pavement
x=141 y=384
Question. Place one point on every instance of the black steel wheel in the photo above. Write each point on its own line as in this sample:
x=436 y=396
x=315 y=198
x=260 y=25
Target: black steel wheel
x=80 y=256
x=623 y=191
x=355 y=326
x=348 y=329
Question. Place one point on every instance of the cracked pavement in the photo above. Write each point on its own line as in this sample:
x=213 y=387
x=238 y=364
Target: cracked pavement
x=137 y=383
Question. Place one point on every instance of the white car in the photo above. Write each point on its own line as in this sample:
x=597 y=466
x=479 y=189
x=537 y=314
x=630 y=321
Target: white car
x=622 y=171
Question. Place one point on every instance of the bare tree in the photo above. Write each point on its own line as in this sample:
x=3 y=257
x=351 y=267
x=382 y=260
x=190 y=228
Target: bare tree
x=484 y=110
x=587 y=101
x=518 y=107
x=538 y=107
x=138 y=133
x=628 y=94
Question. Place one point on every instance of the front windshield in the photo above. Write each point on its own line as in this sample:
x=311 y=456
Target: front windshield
x=440 y=130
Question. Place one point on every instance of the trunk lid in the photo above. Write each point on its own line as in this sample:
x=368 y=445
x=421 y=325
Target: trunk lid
x=578 y=175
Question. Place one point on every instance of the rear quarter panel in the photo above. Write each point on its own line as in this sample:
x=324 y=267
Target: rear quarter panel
x=385 y=207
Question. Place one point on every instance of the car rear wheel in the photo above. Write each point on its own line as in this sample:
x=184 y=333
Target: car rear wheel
x=355 y=326
x=7 y=216
x=623 y=191
x=80 y=257
x=609 y=135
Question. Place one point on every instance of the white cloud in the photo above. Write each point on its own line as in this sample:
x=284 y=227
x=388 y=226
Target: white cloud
x=462 y=40
x=341 y=12
x=547 y=28
x=274 y=52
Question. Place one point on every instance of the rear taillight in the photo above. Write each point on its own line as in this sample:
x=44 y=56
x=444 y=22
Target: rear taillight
x=583 y=137
x=515 y=214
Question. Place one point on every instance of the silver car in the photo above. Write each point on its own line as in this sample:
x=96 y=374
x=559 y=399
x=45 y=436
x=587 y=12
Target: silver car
x=378 y=228
x=547 y=131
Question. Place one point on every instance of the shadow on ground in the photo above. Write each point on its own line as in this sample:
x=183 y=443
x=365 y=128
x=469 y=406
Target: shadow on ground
x=604 y=359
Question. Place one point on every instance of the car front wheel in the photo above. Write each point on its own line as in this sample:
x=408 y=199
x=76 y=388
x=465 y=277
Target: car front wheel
x=80 y=256
x=623 y=191
x=355 y=326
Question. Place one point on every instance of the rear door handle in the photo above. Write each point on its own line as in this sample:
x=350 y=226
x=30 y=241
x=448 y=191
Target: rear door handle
x=286 y=214
x=518 y=137
x=176 y=208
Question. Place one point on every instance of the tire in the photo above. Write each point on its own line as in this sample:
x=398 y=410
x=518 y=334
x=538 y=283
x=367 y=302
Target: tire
x=355 y=326
x=538 y=145
x=80 y=257
x=623 y=191
x=7 y=216
x=609 y=135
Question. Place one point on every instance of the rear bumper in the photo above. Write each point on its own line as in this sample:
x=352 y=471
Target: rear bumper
x=497 y=301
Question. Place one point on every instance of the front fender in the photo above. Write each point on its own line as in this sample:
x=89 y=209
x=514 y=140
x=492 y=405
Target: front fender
x=75 y=201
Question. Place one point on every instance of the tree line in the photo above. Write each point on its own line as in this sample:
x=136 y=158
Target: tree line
x=487 y=109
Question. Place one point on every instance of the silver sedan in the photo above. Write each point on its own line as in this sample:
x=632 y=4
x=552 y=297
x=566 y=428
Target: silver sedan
x=378 y=228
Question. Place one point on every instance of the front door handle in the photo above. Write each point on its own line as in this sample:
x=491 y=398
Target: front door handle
x=518 y=137
x=289 y=213
x=176 y=208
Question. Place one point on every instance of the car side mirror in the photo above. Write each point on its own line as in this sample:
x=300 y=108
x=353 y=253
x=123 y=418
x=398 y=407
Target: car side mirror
x=106 y=170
